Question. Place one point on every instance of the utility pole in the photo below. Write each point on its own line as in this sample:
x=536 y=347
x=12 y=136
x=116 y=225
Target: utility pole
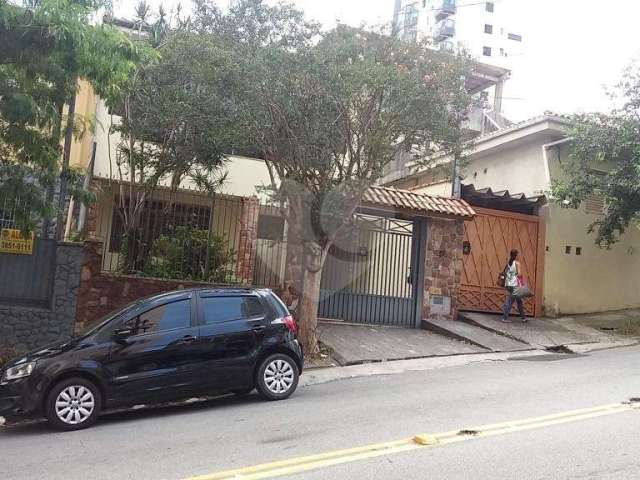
x=456 y=187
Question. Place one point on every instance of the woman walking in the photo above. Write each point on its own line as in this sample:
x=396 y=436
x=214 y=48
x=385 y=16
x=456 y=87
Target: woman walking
x=512 y=272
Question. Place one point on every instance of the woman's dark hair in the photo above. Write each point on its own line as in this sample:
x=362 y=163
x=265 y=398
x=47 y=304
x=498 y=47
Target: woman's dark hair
x=512 y=256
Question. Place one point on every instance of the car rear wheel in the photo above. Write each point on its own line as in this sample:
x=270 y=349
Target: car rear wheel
x=277 y=377
x=73 y=404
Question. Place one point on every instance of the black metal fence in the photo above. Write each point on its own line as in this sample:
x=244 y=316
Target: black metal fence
x=28 y=279
x=187 y=235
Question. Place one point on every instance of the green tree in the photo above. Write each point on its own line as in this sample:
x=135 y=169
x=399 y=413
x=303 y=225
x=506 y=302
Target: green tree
x=328 y=112
x=47 y=45
x=175 y=119
x=605 y=159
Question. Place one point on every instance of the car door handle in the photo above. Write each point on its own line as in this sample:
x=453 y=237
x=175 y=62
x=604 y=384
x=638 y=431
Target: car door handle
x=259 y=328
x=187 y=339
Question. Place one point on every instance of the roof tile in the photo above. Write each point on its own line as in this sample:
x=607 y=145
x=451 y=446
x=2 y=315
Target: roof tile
x=422 y=203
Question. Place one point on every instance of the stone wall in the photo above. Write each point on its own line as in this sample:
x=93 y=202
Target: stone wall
x=101 y=292
x=27 y=328
x=443 y=268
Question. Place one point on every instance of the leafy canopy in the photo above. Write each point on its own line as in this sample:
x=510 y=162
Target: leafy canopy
x=330 y=114
x=46 y=46
x=605 y=159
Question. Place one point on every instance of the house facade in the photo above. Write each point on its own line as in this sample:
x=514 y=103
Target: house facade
x=522 y=161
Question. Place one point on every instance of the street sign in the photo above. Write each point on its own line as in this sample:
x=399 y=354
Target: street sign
x=12 y=241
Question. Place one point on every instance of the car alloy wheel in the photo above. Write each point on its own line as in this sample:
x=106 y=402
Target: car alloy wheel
x=277 y=377
x=75 y=404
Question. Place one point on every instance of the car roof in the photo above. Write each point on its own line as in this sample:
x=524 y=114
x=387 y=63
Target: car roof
x=210 y=291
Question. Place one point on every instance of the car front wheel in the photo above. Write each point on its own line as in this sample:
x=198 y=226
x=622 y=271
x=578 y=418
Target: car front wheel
x=73 y=404
x=277 y=377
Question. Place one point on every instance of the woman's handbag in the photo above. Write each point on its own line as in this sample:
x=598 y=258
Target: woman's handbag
x=502 y=277
x=522 y=290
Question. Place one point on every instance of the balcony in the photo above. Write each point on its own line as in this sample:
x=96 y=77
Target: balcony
x=445 y=29
x=447 y=7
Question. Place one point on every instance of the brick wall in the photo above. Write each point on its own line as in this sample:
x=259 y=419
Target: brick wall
x=443 y=268
x=101 y=293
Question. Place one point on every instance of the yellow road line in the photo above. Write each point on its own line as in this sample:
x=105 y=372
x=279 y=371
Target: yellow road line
x=323 y=460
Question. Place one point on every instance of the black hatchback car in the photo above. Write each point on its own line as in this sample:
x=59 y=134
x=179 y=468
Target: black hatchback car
x=166 y=347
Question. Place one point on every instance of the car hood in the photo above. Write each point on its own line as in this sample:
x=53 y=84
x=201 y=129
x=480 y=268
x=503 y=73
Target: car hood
x=45 y=352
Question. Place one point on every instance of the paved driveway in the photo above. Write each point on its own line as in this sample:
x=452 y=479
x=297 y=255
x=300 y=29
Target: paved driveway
x=368 y=343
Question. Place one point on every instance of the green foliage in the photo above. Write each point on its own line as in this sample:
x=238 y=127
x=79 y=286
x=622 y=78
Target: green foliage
x=46 y=46
x=605 y=159
x=191 y=254
x=177 y=119
x=329 y=111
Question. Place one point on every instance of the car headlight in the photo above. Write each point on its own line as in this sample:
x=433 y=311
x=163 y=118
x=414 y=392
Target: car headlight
x=18 y=371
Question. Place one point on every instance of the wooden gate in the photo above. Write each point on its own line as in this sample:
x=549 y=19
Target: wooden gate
x=492 y=234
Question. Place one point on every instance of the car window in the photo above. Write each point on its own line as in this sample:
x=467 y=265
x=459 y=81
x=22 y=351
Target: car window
x=170 y=316
x=225 y=309
x=281 y=308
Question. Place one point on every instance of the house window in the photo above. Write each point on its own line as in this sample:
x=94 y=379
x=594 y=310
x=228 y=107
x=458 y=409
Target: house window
x=486 y=51
x=513 y=36
x=489 y=7
x=567 y=250
x=578 y=250
x=488 y=28
x=502 y=52
x=270 y=227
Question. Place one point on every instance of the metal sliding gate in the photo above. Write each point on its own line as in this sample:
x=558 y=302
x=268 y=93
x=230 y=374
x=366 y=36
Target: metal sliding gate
x=368 y=277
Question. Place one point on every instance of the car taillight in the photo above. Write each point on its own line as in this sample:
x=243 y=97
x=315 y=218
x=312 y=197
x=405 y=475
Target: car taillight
x=290 y=322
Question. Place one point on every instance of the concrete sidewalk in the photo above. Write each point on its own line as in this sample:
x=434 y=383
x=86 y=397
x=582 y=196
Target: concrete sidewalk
x=479 y=336
x=545 y=333
x=353 y=344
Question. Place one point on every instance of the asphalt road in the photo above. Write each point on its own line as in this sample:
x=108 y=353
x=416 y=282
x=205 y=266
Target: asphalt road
x=180 y=442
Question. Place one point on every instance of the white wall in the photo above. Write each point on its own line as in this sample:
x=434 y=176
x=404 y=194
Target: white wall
x=519 y=169
x=597 y=280
x=244 y=174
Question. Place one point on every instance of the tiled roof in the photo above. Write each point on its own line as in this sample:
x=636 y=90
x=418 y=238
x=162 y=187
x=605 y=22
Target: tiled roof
x=417 y=203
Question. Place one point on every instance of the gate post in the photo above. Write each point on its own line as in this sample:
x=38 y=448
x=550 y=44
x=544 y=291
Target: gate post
x=418 y=258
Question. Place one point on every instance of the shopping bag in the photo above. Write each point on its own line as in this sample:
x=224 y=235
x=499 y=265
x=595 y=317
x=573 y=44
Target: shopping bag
x=522 y=291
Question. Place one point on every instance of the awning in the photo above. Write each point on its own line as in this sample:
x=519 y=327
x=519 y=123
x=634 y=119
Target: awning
x=417 y=204
x=503 y=200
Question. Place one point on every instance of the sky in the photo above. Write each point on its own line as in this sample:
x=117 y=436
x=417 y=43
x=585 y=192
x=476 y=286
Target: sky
x=574 y=48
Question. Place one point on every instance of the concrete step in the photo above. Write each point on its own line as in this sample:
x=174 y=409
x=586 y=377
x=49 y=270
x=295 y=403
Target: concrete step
x=475 y=335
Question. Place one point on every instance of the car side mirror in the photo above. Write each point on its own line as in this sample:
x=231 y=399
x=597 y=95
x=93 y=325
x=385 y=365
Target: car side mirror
x=121 y=334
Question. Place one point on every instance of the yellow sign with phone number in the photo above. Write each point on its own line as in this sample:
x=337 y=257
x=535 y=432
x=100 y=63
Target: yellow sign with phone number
x=12 y=241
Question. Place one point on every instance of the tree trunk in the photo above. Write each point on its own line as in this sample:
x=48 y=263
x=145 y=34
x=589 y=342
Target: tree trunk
x=314 y=257
x=308 y=311
x=64 y=175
